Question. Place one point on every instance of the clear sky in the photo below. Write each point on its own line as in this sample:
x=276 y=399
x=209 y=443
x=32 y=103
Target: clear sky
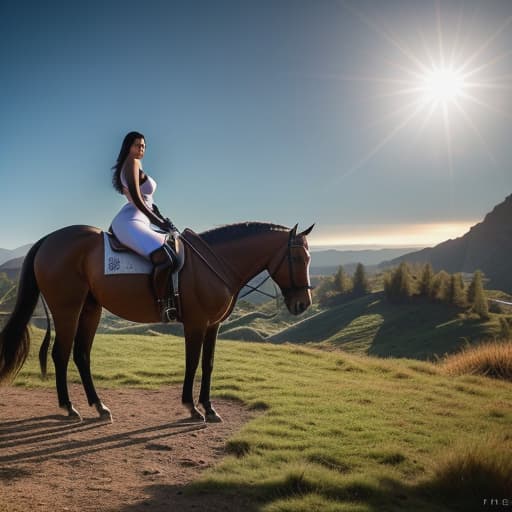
x=383 y=121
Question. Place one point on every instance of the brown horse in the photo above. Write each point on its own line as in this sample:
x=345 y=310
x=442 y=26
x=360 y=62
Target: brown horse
x=66 y=267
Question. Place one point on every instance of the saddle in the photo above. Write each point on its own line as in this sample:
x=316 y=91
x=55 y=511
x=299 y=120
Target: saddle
x=175 y=246
x=198 y=246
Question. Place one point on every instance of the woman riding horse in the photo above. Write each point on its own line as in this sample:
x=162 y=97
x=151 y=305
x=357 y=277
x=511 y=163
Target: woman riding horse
x=132 y=225
x=67 y=268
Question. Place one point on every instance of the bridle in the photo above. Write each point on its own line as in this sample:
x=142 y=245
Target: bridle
x=294 y=286
x=287 y=256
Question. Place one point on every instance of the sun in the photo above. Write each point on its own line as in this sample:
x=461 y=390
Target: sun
x=437 y=84
x=441 y=85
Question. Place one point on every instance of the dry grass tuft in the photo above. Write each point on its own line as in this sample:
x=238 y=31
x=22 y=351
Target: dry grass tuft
x=491 y=359
x=474 y=471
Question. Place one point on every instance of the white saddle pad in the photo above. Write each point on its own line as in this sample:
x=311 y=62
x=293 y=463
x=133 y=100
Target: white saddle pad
x=124 y=262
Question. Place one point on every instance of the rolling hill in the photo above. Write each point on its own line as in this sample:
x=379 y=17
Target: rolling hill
x=372 y=326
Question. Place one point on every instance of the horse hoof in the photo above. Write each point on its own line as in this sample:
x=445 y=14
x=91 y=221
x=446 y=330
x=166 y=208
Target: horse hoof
x=195 y=415
x=73 y=414
x=106 y=416
x=213 y=417
x=104 y=413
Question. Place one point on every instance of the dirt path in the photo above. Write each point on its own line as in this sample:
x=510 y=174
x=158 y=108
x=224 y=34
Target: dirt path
x=140 y=462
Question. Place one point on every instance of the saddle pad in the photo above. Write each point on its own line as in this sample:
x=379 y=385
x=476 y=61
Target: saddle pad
x=127 y=262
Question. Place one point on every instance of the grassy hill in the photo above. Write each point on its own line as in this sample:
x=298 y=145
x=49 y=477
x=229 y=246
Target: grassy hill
x=371 y=325
x=334 y=431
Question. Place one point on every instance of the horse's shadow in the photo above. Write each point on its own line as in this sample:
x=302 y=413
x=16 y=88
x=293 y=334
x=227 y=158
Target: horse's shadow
x=39 y=439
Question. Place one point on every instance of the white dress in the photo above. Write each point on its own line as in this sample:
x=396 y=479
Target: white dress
x=132 y=227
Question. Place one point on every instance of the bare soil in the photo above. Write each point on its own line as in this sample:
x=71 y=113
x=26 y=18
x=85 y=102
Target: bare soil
x=141 y=461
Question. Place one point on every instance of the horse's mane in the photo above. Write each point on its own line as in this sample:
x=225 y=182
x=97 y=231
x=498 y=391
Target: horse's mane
x=242 y=229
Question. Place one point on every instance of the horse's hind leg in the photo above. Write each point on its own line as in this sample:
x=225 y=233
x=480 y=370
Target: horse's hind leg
x=65 y=329
x=87 y=325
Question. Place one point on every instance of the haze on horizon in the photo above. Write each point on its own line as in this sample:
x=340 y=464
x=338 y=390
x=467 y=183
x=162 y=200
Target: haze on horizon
x=385 y=123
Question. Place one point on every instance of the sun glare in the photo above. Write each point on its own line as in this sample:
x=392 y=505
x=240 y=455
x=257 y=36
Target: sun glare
x=441 y=85
x=442 y=80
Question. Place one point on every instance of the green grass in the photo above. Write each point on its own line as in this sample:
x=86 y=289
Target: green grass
x=370 y=325
x=334 y=431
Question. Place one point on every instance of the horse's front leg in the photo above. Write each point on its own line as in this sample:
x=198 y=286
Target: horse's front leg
x=207 y=368
x=193 y=342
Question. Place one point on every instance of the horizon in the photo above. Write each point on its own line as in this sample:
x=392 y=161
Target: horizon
x=385 y=123
x=359 y=245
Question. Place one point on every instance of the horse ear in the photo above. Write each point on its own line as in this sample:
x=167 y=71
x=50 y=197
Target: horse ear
x=293 y=232
x=307 y=231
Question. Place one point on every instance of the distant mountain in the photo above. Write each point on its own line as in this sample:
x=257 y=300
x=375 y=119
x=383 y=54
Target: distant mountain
x=327 y=262
x=8 y=254
x=331 y=257
x=12 y=267
x=487 y=246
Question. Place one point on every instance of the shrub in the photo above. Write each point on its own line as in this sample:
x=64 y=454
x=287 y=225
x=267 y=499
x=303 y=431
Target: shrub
x=469 y=473
x=491 y=359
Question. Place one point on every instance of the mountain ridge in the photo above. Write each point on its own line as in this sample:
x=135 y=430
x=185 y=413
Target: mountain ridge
x=487 y=246
x=10 y=254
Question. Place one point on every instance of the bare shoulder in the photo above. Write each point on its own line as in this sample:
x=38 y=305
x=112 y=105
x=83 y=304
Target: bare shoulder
x=132 y=161
x=131 y=164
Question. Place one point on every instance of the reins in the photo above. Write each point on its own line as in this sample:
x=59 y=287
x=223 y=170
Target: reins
x=257 y=288
x=293 y=285
x=209 y=265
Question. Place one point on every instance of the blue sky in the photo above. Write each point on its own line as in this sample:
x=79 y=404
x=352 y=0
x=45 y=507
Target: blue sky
x=284 y=111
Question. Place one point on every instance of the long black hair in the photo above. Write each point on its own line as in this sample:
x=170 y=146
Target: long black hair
x=125 y=150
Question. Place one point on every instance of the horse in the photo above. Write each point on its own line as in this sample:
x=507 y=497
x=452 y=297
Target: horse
x=66 y=267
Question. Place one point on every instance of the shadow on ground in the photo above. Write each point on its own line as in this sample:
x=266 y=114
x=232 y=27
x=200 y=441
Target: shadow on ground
x=295 y=492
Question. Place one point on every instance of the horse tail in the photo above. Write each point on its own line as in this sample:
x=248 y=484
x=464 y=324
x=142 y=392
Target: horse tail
x=15 y=337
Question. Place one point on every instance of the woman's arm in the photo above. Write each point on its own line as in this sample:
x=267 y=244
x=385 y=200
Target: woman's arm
x=131 y=169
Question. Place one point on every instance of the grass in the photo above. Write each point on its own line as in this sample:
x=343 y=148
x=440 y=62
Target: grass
x=468 y=472
x=335 y=431
x=370 y=325
x=492 y=359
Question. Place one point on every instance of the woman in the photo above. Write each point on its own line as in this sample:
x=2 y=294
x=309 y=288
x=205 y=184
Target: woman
x=132 y=225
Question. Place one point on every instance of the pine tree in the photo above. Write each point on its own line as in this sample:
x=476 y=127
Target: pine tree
x=440 y=286
x=480 y=306
x=427 y=280
x=470 y=294
x=342 y=282
x=455 y=293
x=406 y=286
x=360 y=286
x=398 y=285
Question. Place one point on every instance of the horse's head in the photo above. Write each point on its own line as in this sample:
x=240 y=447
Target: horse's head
x=290 y=270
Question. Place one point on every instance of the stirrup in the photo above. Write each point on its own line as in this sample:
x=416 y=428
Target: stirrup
x=168 y=313
x=171 y=314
